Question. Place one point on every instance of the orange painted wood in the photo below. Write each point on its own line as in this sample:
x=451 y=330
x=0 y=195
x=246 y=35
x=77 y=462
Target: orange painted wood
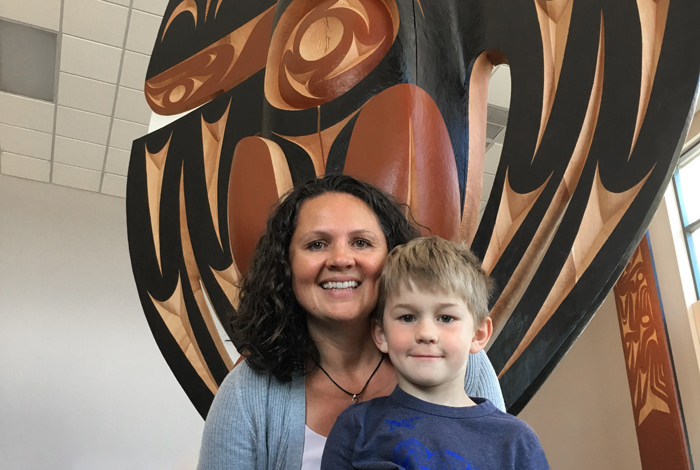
x=658 y=416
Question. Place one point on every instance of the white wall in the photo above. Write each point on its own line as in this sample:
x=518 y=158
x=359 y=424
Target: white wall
x=82 y=382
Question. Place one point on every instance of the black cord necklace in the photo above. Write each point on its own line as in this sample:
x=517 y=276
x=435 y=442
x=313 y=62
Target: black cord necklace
x=353 y=395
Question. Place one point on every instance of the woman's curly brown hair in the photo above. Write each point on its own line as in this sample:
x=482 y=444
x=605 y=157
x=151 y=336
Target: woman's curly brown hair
x=269 y=325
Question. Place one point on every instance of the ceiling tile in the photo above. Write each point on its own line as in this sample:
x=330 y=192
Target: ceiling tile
x=75 y=177
x=117 y=161
x=26 y=112
x=107 y=22
x=143 y=29
x=124 y=133
x=134 y=70
x=86 y=94
x=487 y=184
x=25 y=142
x=24 y=167
x=132 y=106
x=499 y=87
x=114 y=185
x=82 y=125
x=90 y=59
x=42 y=13
x=79 y=153
x=493 y=155
x=157 y=7
x=125 y=3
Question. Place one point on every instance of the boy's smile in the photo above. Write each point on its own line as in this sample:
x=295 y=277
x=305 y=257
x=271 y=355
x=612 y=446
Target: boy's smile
x=428 y=336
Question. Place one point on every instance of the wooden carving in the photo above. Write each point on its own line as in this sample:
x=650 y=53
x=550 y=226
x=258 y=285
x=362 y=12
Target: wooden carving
x=394 y=92
x=661 y=433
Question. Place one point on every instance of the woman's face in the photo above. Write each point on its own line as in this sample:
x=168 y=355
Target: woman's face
x=336 y=254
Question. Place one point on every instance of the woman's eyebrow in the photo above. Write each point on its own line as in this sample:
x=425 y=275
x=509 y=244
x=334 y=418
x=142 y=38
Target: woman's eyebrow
x=364 y=232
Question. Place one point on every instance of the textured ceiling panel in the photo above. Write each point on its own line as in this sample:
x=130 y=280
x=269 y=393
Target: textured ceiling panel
x=90 y=59
x=134 y=70
x=107 y=21
x=143 y=29
x=26 y=112
x=79 y=153
x=157 y=7
x=82 y=125
x=114 y=185
x=75 y=177
x=131 y=106
x=24 y=141
x=25 y=167
x=86 y=94
x=42 y=13
x=117 y=161
x=124 y=133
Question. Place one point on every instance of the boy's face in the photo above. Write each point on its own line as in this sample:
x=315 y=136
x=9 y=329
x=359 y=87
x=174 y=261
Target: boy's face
x=428 y=336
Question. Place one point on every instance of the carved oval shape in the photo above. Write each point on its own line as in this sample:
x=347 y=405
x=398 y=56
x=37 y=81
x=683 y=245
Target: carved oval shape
x=401 y=145
x=320 y=50
x=259 y=176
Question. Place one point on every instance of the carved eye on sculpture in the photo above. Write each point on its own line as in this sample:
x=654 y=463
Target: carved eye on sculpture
x=180 y=85
x=319 y=51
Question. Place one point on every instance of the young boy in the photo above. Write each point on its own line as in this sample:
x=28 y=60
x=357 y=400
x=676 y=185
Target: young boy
x=432 y=312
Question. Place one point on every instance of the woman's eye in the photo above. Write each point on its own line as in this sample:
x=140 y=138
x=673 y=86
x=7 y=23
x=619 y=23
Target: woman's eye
x=446 y=319
x=361 y=243
x=316 y=245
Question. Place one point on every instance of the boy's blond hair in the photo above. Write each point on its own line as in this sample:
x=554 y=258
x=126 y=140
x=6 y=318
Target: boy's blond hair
x=436 y=264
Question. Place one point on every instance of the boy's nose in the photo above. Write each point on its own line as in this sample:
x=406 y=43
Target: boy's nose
x=426 y=332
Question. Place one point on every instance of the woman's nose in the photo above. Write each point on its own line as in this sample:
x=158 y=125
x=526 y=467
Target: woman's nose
x=340 y=257
x=426 y=332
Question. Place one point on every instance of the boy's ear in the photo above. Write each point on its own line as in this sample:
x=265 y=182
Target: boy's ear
x=481 y=336
x=379 y=337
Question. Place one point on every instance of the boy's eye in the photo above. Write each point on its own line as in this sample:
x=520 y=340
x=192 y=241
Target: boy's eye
x=406 y=318
x=446 y=319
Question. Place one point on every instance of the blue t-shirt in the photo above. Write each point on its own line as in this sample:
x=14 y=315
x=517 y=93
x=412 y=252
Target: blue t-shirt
x=403 y=432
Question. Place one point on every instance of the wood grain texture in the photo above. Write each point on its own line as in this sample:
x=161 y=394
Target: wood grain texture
x=661 y=434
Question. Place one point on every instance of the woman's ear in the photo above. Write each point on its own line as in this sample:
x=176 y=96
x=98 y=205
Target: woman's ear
x=482 y=334
x=379 y=336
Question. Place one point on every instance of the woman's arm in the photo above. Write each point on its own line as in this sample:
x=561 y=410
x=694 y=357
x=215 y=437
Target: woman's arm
x=255 y=423
x=229 y=440
x=481 y=380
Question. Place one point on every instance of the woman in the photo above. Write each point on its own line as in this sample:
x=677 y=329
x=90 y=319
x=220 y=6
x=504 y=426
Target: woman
x=303 y=322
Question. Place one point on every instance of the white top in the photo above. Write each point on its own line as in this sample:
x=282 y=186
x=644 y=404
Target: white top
x=313 y=449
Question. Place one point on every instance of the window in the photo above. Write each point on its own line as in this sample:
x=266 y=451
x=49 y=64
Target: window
x=687 y=184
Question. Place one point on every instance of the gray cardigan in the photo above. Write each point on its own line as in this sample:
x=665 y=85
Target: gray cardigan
x=257 y=422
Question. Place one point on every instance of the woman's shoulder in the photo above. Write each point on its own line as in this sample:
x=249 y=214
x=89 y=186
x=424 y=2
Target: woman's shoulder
x=243 y=380
x=480 y=380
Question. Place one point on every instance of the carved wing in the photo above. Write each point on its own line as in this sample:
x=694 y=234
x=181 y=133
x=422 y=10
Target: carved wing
x=393 y=92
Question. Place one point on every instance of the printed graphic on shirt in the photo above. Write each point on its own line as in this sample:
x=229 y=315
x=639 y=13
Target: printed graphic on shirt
x=412 y=455
x=404 y=423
